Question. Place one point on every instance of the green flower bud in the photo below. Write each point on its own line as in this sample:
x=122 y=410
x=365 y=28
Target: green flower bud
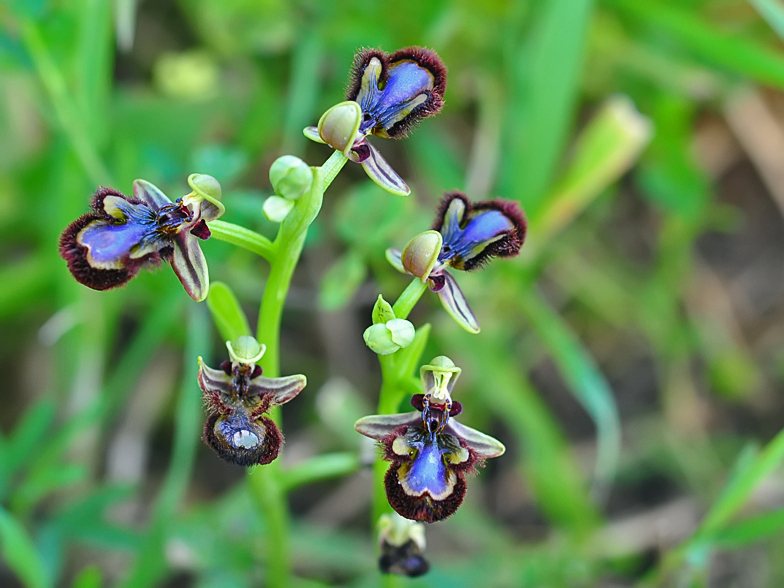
x=402 y=331
x=245 y=349
x=290 y=177
x=420 y=254
x=438 y=379
x=382 y=311
x=386 y=338
x=276 y=208
x=338 y=127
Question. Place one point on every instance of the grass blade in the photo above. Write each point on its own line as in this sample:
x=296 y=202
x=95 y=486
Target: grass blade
x=585 y=381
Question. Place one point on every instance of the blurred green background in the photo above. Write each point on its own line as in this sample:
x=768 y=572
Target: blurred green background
x=631 y=359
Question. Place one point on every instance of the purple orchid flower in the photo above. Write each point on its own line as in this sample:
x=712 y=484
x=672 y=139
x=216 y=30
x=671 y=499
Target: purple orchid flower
x=107 y=247
x=464 y=237
x=237 y=399
x=388 y=94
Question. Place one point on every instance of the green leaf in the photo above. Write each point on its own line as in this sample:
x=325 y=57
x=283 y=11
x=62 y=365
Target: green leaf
x=19 y=552
x=585 y=381
x=773 y=13
x=722 y=48
x=34 y=431
x=321 y=467
x=751 y=530
x=545 y=88
x=749 y=472
x=43 y=480
x=89 y=577
x=341 y=281
x=226 y=312
x=605 y=150
x=669 y=175
x=547 y=463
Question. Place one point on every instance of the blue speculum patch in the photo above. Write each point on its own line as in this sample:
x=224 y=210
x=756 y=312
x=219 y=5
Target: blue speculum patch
x=109 y=243
x=427 y=471
x=406 y=81
x=232 y=425
x=465 y=243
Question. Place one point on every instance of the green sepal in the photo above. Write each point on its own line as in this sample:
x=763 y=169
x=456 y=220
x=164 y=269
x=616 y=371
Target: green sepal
x=382 y=311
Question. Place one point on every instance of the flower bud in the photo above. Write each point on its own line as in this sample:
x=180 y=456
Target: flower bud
x=338 y=127
x=245 y=349
x=386 y=338
x=401 y=543
x=420 y=254
x=290 y=177
x=276 y=208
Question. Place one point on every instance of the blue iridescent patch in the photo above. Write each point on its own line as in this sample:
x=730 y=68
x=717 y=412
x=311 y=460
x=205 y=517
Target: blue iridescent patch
x=483 y=228
x=108 y=243
x=427 y=471
x=407 y=82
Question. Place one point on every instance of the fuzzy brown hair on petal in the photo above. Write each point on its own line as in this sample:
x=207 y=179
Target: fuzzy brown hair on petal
x=75 y=256
x=96 y=202
x=361 y=61
x=508 y=246
x=422 y=508
x=429 y=60
x=443 y=205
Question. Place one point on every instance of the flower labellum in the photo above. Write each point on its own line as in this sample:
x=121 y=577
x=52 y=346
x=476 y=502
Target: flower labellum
x=396 y=91
x=237 y=399
x=393 y=93
x=471 y=235
x=105 y=248
x=431 y=454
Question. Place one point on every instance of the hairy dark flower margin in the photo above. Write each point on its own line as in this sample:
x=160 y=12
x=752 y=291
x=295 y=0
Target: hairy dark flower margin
x=464 y=237
x=387 y=95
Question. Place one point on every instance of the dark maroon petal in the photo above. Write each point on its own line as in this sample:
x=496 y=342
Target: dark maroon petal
x=201 y=230
x=417 y=401
x=422 y=508
x=437 y=282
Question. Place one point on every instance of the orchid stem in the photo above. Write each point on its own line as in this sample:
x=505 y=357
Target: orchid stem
x=267 y=484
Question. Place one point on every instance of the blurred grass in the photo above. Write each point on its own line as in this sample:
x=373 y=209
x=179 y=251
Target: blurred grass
x=602 y=325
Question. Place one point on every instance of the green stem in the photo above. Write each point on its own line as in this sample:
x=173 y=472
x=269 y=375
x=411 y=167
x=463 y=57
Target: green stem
x=388 y=401
x=408 y=299
x=392 y=391
x=332 y=167
x=242 y=237
x=266 y=483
